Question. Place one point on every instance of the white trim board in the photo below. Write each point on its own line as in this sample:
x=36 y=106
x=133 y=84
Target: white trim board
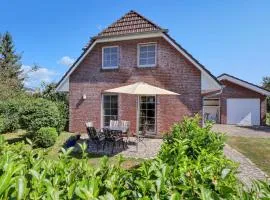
x=244 y=84
x=132 y=37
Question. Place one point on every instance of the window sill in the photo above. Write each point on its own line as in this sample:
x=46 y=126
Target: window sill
x=109 y=69
x=147 y=67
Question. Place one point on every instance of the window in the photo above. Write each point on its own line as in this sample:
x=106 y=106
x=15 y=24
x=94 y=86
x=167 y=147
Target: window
x=110 y=57
x=147 y=121
x=147 y=55
x=110 y=108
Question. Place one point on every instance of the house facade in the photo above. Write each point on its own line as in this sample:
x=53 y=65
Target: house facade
x=134 y=49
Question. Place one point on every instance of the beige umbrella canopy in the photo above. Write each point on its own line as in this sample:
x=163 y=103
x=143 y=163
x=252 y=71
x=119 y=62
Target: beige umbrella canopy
x=141 y=88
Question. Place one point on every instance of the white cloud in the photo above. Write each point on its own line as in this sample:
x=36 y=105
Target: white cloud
x=35 y=77
x=66 y=60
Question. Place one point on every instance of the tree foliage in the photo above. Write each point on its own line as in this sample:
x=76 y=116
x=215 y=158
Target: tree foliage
x=266 y=85
x=10 y=65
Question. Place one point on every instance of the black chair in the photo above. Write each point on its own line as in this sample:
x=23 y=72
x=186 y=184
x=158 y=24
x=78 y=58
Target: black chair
x=95 y=137
x=112 y=137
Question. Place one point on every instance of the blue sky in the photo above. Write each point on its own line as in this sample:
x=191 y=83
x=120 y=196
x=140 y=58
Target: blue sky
x=225 y=36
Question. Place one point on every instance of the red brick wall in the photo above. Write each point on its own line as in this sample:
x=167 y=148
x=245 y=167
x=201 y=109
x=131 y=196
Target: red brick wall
x=232 y=90
x=173 y=72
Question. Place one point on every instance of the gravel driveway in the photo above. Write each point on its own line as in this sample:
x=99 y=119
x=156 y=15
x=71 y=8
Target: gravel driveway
x=233 y=130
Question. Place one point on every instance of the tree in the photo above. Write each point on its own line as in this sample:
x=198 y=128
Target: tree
x=266 y=85
x=266 y=82
x=10 y=65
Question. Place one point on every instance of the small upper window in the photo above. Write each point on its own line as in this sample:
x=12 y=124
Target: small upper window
x=147 y=55
x=110 y=57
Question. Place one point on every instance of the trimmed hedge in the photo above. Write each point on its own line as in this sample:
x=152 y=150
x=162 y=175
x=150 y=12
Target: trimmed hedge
x=31 y=114
x=40 y=113
x=10 y=114
x=45 y=137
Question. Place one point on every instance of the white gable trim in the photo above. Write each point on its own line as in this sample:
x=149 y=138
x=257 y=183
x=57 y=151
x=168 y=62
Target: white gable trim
x=138 y=36
x=244 y=84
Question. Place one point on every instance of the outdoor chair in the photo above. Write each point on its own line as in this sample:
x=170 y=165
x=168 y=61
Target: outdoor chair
x=114 y=124
x=125 y=126
x=112 y=137
x=94 y=136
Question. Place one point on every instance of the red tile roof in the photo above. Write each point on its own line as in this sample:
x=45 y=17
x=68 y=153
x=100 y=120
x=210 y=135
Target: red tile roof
x=132 y=22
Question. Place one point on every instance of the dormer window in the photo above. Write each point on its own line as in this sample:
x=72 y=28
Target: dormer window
x=110 y=57
x=147 y=55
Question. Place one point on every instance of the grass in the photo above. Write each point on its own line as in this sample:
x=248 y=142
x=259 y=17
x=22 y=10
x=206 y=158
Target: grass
x=256 y=149
x=53 y=151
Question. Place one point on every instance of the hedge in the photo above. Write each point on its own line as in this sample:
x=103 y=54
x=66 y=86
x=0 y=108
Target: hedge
x=31 y=114
x=190 y=165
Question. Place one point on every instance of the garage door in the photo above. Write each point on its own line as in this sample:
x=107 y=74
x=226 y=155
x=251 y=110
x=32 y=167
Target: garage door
x=243 y=111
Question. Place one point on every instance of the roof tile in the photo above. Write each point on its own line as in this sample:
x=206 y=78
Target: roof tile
x=132 y=22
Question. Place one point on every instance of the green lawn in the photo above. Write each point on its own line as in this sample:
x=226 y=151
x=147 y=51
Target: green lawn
x=53 y=151
x=256 y=149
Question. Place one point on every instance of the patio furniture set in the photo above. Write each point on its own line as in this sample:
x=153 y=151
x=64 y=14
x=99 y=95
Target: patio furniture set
x=117 y=133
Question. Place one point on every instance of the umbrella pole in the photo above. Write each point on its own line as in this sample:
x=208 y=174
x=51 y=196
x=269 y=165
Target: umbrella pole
x=138 y=123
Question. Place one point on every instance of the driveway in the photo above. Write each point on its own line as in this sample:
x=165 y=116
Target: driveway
x=243 y=131
x=248 y=171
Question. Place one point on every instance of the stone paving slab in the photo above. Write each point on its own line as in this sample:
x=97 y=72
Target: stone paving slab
x=248 y=171
x=147 y=148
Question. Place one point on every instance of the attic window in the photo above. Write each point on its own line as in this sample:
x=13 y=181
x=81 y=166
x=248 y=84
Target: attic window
x=110 y=57
x=147 y=55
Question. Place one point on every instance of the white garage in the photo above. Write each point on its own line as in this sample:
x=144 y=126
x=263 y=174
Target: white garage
x=243 y=111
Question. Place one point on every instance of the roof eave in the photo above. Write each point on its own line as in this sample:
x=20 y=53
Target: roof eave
x=243 y=83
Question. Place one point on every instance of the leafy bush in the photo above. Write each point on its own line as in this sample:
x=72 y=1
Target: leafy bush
x=45 y=137
x=40 y=113
x=268 y=119
x=9 y=111
x=179 y=172
x=9 y=123
x=2 y=124
x=63 y=111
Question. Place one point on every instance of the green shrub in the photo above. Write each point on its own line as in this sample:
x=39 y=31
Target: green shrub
x=45 y=137
x=9 y=123
x=179 y=172
x=41 y=113
x=63 y=111
x=10 y=114
x=268 y=119
x=2 y=124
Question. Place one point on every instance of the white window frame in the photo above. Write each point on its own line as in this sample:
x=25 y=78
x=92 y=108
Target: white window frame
x=138 y=114
x=138 y=54
x=102 y=106
x=118 y=57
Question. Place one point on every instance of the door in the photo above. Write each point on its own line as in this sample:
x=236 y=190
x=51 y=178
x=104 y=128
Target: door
x=147 y=114
x=243 y=111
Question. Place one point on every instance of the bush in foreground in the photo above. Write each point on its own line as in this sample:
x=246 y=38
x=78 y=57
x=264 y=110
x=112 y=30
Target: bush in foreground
x=190 y=165
x=45 y=137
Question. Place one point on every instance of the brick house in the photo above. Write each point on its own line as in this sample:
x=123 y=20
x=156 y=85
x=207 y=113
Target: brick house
x=135 y=49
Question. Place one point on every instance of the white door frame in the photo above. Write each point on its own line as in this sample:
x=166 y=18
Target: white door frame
x=138 y=113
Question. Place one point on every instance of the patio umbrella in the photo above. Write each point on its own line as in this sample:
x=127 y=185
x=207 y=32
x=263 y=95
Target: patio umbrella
x=141 y=88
